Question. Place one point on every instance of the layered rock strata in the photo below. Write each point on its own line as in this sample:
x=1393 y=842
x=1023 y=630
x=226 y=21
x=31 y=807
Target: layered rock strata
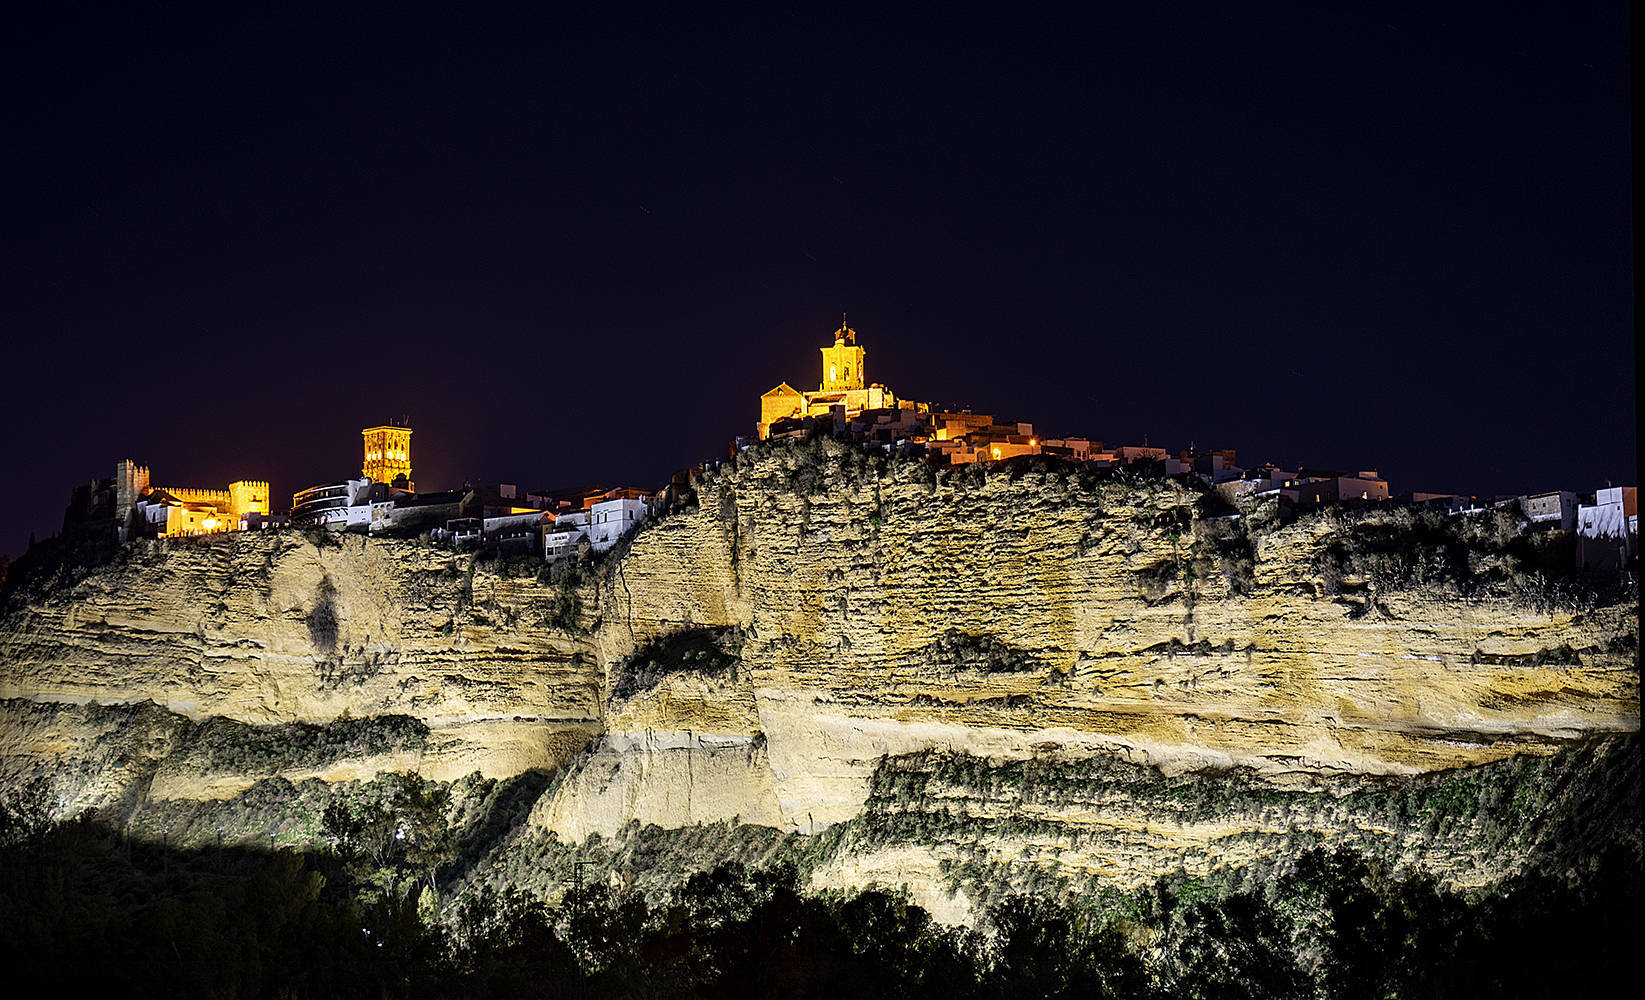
x=881 y=611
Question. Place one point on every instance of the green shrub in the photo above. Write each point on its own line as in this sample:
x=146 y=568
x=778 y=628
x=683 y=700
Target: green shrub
x=708 y=651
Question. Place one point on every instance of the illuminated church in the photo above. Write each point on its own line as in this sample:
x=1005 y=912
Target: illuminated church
x=844 y=383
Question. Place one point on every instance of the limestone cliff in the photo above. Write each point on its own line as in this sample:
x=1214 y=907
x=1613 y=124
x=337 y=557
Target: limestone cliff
x=848 y=617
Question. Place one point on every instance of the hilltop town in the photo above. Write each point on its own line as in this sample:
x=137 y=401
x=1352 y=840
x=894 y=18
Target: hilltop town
x=559 y=524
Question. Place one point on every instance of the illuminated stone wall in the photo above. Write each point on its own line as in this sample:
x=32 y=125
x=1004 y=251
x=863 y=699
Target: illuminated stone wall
x=248 y=496
x=779 y=404
x=188 y=494
x=131 y=481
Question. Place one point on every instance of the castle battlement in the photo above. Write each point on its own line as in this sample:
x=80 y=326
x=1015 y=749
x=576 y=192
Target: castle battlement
x=189 y=494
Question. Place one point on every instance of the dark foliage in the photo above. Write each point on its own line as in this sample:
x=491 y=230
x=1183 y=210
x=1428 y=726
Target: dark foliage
x=1472 y=555
x=954 y=651
x=565 y=611
x=220 y=743
x=81 y=906
x=59 y=560
x=712 y=651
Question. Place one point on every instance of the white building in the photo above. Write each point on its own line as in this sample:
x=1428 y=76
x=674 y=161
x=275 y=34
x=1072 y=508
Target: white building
x=602 y=524
x=1608 y=532
x=337 y=506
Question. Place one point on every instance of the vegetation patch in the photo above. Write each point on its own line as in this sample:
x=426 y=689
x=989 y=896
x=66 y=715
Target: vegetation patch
x=367 y=915
x=1488 y=554
x=1227 y=543
x=565 y=605
x=957 y=651
x=713 y=652
x=1559 y=810
x=1157 y=582
x=221 y=745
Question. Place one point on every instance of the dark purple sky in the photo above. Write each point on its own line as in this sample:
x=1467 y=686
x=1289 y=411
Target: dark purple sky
x=574 y=251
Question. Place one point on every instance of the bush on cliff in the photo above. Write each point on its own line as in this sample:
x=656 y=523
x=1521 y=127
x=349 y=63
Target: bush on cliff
x=955 y=651
x=708 y=651
x=1469 y=555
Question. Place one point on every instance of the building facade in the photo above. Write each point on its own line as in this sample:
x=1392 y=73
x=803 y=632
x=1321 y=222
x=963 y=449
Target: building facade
x=602 y=525
x=337 y=506
x=1608 y=530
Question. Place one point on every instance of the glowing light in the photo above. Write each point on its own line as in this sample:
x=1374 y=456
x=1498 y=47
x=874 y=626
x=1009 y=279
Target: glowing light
x=996 y=453
x=210 y=524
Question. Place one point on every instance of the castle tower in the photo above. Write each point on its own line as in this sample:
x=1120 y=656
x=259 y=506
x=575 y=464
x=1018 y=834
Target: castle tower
x=131 y=482
x=388 y=454
x=247 y=496
x=842 y=364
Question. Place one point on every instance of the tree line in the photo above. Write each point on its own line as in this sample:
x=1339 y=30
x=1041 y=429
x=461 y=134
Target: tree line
x=85 y=910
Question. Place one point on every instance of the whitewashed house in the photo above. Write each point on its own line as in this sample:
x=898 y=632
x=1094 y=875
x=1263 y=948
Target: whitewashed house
x=1607 y=533
x=602 y=525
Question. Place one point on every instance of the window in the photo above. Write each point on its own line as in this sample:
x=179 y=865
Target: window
x=831 y=373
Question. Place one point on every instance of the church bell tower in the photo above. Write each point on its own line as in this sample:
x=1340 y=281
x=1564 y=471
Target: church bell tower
x=387 y=454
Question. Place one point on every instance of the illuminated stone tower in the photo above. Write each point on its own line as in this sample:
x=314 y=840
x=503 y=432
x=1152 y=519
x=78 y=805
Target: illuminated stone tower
x=842 y=364
x=247 y=496
x=388 y=454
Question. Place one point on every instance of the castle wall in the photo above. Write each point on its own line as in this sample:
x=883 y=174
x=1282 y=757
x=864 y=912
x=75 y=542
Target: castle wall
x=189 y=494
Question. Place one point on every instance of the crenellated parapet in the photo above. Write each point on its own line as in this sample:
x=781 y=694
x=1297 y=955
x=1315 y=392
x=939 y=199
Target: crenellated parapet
x=189 y=494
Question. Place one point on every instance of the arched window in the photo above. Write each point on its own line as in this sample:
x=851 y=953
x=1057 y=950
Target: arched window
x=832 y=374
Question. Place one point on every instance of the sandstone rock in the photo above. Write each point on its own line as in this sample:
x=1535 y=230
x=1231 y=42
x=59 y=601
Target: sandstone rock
x=884 y=609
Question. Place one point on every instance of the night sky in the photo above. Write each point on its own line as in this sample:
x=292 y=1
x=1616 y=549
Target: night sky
x=577 y=251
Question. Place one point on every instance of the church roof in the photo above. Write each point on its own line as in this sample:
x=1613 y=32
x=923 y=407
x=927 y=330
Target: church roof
x=782 y=389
